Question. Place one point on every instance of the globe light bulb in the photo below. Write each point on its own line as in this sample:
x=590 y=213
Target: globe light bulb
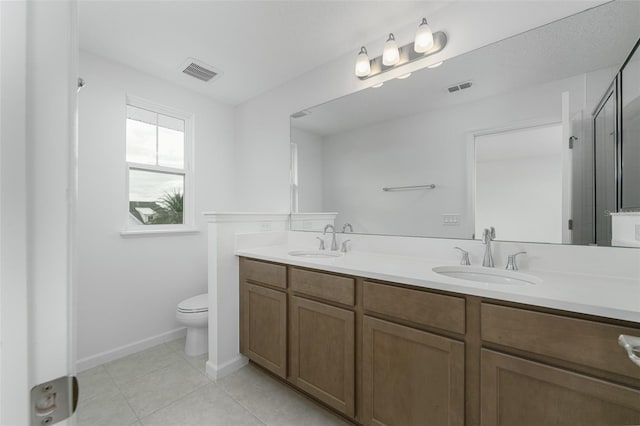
x=390 y=53
x=424 y=38
x=363 y=66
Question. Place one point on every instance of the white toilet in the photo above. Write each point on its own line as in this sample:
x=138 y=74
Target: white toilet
x=194 y=314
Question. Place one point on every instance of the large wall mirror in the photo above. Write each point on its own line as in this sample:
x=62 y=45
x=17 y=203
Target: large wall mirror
x=521 y=135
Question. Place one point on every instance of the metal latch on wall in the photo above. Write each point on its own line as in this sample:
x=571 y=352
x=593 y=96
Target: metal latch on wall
x=54 y=401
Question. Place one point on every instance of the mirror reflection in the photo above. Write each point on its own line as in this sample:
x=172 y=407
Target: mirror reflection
x=520 y=135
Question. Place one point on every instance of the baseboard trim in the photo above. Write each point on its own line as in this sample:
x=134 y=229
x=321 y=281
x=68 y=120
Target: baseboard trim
x=122 y=351
x=218 y=372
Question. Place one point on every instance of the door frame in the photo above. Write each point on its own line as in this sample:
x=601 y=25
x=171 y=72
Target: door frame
x=471 y=161
x=38 y=199
x=14 y=350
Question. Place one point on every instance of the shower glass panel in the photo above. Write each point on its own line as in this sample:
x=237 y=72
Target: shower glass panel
x=604 y=123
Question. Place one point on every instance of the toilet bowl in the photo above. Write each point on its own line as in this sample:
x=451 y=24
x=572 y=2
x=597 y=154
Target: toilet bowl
x=194 y=314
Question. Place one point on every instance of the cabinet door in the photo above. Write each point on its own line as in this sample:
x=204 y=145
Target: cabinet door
x=410 y=377
x=264 y=325
x=322 y=352
x=520 y=392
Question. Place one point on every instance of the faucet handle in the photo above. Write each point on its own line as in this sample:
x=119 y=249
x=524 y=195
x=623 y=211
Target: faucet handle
x=343 y=248
x=512 y=265
x=322 y=247
x=464 y=260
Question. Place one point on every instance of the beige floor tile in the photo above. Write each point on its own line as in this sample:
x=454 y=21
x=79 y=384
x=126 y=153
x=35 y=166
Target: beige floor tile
x=199 y=362
x=177 y=345
x=209 y=405
x=248 y=380
x=160 y=388
x=110 y=410
x=134 y=366
x=275 y=403
x=96 y=382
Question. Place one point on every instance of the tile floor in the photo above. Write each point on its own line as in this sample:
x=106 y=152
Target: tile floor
x=162 y=386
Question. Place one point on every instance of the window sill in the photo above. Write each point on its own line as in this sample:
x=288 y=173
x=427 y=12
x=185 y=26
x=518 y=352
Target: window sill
x=157 y=232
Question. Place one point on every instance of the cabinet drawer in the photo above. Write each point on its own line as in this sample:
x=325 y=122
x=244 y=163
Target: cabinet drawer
x=264 y=273
x=333 y=288
x=420 y=307
x=588 y=343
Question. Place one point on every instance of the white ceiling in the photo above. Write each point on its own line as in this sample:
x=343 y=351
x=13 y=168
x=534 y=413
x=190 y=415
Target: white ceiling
x=594 y=39
x=258 y=45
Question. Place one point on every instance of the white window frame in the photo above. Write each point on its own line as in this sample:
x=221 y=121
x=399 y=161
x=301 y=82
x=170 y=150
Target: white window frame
x=188 y=225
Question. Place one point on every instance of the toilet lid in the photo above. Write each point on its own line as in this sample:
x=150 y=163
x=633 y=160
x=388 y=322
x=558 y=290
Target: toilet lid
x=199 y=303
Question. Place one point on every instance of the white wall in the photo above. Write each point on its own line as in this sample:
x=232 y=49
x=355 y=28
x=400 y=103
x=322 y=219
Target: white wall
x=263 y=123
x=129 y=287
x=310 y=178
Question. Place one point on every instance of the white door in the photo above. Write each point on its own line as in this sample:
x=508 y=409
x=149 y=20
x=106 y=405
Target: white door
x=38 y=57
x=518 y=184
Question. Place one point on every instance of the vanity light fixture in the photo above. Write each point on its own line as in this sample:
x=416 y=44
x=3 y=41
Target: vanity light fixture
x=424 y=37
x=403 y=76
x=375 y=86
x=363 y=67
x=425 y=43
x=390 y=52
x=436 y=65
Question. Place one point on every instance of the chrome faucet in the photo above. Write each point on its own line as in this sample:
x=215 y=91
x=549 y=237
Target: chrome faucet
x=347 y=225
x=512 y=265
x=464 y=260
x=487 y=236
x=334 y=243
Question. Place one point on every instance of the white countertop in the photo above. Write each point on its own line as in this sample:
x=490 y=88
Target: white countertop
x=610 y=297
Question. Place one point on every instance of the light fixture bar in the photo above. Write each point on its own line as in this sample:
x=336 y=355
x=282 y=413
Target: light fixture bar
x=407 y=55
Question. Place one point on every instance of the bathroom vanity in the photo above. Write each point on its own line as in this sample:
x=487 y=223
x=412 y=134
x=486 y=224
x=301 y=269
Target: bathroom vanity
x=408 y=351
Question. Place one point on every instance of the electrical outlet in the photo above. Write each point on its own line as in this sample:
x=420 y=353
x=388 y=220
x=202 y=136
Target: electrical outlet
x=637 y=232
x=451 y=219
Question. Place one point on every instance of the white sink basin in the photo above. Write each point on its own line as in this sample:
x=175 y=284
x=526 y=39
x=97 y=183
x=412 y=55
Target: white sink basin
x=315 y=254
x=487 y=275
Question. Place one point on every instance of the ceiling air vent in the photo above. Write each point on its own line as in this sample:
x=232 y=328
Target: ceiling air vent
x=459 y=86
x=300 y=114
x=200 y=70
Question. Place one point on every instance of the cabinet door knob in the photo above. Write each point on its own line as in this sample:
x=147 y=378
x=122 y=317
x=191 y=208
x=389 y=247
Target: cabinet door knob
x=631 y=344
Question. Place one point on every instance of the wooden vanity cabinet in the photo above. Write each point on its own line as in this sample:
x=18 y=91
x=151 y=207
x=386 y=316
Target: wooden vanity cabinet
x=387 y=354
x=322 y=355
x=516 y=391
x=522 y=391
x=410 y=377
x=263 y=315
x=322 y=337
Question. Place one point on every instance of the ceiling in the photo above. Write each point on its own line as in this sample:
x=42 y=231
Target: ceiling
x=258 y=45
x=594 y=39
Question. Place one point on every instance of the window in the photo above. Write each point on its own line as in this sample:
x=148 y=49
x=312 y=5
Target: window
x=158 y=174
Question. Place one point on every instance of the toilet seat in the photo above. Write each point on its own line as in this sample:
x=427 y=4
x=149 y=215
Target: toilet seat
x=196 y=304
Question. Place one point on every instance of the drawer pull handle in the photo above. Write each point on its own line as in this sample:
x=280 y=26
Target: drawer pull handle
x=631 y=344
